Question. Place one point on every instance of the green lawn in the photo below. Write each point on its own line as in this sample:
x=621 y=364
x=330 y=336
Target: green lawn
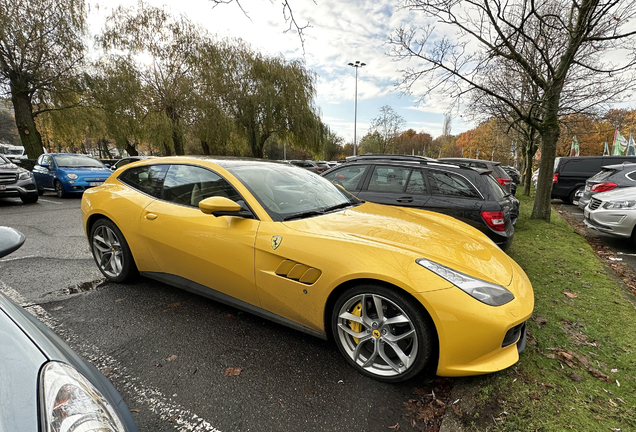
x=579 y=369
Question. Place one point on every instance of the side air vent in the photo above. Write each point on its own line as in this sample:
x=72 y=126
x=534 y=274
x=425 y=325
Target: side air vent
x=299 y=272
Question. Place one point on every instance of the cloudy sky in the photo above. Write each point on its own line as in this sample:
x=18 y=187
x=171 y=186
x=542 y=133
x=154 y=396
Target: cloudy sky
x=340 y=32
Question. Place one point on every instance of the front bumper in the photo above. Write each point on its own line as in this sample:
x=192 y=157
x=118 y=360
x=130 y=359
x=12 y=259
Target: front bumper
x=20 y=188
x=611 y=222
x=80 y=185
x=475 y=338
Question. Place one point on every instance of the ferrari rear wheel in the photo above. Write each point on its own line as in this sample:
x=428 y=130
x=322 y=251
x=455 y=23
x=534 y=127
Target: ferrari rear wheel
x=111 y=252
x=382 y=333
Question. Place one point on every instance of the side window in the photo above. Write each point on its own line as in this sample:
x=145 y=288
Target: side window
x=348 y=177
x=416 y=183
x=631 y=176
x=48 y=160
x=445 y=183
x=388 y=179
x=147 y=179
x=188 y=185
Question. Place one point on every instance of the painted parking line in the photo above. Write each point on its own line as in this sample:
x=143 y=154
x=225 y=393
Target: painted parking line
x=183 y=419
x=52 y=202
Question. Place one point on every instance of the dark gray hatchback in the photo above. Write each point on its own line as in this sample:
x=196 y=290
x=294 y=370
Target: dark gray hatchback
x=470 y=195
x=609 y=178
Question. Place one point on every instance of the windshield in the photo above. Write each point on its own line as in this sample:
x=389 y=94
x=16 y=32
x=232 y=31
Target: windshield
x=72 y=161
x=288 y=193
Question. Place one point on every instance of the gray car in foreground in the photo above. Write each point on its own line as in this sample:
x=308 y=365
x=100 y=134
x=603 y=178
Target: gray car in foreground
x=613 y=213
x=44 y=385
x=610 y=177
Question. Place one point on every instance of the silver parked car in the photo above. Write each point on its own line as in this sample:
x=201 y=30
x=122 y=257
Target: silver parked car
x=45 y=385
x=609 y=178
x=613 y=213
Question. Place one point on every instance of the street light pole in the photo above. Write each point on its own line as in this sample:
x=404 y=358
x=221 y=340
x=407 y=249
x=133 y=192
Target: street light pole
x=356 y=65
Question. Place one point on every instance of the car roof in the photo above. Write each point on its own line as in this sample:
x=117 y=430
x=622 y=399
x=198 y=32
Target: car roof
x=470 y=160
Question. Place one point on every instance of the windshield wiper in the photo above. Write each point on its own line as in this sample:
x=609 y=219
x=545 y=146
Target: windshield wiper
x=304 y=214
x=337 y=207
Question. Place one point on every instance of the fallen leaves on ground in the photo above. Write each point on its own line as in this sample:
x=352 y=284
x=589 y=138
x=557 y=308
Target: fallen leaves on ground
x=232 y=371
x=172 y=357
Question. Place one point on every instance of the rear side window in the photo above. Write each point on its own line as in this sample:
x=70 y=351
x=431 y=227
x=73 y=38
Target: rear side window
x=147 y=179
x=605 y=173
x=388 y=179
x=631 y=176
x=188 y=185
x=348 y=177
x=445 y=183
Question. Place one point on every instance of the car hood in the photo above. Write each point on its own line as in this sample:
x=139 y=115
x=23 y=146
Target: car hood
x=420 y=233
x=628 y=193
x=8 y=167
x=87 y=172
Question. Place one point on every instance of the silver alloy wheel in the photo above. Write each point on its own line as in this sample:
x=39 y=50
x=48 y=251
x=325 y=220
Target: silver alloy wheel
x=382 y=340
x=108 y=252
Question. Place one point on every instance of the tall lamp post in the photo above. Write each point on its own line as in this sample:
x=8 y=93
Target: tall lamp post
x=356 y=65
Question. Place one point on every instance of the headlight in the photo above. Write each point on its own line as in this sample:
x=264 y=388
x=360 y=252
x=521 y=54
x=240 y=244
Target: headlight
x=620 y=205
x=484 y=291
x=25 y=175
x=71 y=403
x=72 y=176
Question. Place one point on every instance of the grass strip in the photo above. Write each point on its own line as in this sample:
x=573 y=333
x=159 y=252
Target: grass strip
x=578 y=371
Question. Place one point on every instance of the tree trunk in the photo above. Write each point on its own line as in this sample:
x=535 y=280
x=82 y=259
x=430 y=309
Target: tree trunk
x=527 y=177
x=29 y=134
x=177 y=139
x=549 y=136
x=205 y=147
x=166 y=146
x=130 y=149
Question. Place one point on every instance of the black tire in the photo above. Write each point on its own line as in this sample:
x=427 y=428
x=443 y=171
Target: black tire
x=379 y=339
x=29 y=199
x=59 y=189
x=573 y=195
x=40 y=192
x=111 y=252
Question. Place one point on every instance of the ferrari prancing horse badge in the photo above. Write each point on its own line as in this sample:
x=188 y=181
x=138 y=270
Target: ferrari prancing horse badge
x=276 y=241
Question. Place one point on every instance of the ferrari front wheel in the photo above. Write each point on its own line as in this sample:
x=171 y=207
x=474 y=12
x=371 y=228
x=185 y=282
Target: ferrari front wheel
x=382 y=332
x=111 y=252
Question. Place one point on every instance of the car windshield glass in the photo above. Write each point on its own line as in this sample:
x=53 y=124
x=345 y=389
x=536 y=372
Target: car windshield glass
x=602 y=175
x=70 y=161
x=288 y=193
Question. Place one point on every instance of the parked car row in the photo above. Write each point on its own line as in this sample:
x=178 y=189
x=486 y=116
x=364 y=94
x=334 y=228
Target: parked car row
x=471 y=195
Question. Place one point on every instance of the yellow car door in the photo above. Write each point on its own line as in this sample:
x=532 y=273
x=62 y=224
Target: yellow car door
x=215 y=252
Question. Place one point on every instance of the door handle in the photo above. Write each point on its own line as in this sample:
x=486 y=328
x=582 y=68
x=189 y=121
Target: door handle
x=405 y=199
x=151 y=216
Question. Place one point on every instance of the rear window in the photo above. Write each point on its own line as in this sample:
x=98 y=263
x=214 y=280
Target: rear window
x=494 y=187
x=605 y=173
x=445 y=183
x=631 y=176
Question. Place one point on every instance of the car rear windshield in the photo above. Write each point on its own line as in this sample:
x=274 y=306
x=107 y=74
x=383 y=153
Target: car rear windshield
x=602 y=175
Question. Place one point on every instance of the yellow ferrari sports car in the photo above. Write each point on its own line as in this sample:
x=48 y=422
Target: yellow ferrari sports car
x=396 y=288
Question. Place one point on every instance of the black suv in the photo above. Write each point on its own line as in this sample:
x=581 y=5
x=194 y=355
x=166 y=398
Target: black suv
x=470 y=195
x=570 y=173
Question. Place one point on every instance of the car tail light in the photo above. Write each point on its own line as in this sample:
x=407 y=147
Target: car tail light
x=604 y=187
x=555 y=178
x=319 y=169
x=504 y=181
x=494 y=219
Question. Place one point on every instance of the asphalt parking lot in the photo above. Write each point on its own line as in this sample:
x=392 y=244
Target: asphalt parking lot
x=183 y=362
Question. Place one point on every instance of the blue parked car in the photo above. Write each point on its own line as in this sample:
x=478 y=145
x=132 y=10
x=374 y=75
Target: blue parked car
x=69 y=173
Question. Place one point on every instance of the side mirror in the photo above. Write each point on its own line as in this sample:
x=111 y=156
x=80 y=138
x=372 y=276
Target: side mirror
x=44 y=165
x=107 y=165
x=10 y=240
x=217 y=205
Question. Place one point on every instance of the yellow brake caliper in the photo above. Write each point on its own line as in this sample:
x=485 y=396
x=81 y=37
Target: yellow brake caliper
x=355 y=326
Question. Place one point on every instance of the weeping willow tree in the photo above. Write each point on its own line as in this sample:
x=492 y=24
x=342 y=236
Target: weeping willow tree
x=268 y=96
x=41 y=56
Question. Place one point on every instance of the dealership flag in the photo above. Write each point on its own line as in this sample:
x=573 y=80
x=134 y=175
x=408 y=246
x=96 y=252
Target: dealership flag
x=620 y=144
x=606 y=151
x=574 y=150
x=631 y=150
